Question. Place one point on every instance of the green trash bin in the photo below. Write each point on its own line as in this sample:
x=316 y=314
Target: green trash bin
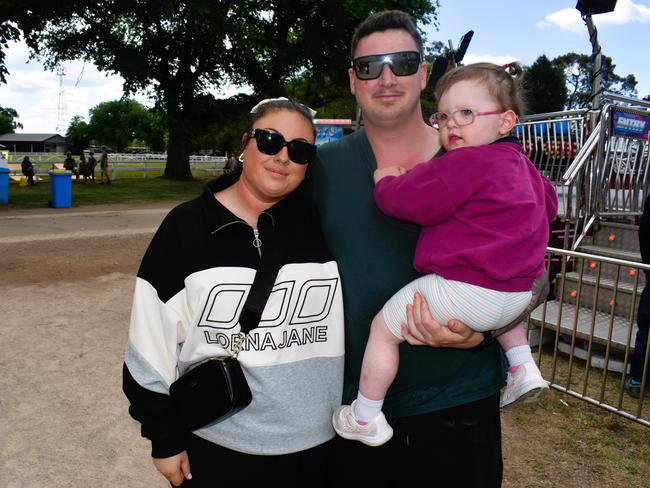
x=61 y=189
x=4 y=185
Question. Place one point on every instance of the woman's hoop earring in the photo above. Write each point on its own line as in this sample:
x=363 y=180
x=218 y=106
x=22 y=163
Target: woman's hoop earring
x=241 y=158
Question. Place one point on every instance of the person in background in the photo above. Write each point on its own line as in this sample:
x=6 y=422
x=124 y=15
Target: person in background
x=103 y=166
x=83 y=167
x=639 y=360
x=197 y=269
x=232 y=163
x=92 y=163
x=70 y=164
x=27 y=169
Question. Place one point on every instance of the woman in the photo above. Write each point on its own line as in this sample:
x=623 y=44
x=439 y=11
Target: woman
x=70 y=164
x=192 y=279
x=28 y=170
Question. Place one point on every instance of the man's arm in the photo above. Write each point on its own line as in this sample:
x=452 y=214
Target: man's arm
x=423 y=330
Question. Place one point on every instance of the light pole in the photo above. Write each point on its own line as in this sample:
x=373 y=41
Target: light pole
x=587 y=8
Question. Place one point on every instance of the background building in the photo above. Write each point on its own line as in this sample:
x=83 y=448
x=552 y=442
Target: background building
x=33 y=143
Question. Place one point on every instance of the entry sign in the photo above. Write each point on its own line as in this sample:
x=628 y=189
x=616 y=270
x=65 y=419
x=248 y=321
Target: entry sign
x=328 y=130
x=328 y=133
x=629 y=124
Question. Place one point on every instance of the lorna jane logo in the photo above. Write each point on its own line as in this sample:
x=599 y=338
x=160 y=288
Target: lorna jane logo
x=289 y=303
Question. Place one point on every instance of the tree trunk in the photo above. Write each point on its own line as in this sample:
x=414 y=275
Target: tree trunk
x=178 y=157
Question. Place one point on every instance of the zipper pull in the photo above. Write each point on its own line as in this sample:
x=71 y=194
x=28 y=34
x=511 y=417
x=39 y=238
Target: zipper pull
x=257 y=243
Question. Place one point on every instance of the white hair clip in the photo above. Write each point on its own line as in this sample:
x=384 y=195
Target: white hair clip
x=265 y=101
x=280 y=99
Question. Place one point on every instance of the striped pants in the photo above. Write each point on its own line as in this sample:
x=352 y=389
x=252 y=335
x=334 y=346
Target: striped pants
x=479 y=308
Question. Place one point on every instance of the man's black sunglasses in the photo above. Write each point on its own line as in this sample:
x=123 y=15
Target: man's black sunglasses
x=404 y=63
x=271 y=143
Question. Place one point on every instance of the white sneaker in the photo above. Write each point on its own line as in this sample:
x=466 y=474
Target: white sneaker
x=524 y=385
x=374 y=433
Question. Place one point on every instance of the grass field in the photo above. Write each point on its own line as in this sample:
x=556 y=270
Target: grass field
x=565 y=442
x=126 y=189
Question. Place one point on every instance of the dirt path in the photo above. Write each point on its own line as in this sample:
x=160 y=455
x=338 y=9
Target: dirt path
x=65 y=314
x=65 y=297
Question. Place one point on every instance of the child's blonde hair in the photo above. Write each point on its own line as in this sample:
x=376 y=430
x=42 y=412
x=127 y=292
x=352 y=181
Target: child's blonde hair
x=503 y=83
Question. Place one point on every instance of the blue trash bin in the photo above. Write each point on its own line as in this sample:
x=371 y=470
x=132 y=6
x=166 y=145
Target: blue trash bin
x=4 y=185
x=61 y=189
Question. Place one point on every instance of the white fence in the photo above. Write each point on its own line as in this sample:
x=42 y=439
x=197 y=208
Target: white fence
x=121 y=163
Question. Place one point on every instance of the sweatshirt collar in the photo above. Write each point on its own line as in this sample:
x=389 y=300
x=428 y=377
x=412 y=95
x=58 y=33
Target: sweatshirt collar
x=217 y=215
x=510 y=139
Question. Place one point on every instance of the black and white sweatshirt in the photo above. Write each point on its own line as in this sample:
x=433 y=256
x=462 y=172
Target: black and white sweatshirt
x=192 y=283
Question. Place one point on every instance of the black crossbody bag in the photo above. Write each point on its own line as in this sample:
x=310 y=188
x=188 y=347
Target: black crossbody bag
x=216 y=389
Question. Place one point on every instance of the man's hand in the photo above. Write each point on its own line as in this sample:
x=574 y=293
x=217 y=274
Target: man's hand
x=388 y=171
x=175 y=468
x=423 y=330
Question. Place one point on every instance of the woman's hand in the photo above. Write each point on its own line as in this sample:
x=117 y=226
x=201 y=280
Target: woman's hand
x=175 y=468
x=423 y=330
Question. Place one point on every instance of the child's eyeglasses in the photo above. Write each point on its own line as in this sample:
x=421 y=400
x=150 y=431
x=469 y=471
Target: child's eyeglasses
x=403 y=63
x=461 y=117
x=271 y=143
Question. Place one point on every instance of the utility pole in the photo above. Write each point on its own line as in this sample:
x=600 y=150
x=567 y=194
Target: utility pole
x=60 y=115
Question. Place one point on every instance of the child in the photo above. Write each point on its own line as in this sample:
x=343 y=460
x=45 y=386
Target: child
x=485 y=212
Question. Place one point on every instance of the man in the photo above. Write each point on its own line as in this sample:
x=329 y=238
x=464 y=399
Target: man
x=92 y=162
x=444 y=402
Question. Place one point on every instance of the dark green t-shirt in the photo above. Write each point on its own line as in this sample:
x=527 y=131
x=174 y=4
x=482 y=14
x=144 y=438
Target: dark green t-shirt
x=375 y=257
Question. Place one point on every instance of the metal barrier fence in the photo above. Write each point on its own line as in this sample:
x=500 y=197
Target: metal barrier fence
x=622 y=168
x=609 y=175
x=556 y=142
x=604 y=174
x=587 y=327
x=552 y=140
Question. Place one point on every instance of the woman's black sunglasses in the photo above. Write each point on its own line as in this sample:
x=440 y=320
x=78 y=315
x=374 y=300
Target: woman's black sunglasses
x=405 y=63
x=271 y=143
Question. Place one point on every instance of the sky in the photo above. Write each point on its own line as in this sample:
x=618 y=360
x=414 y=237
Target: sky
x=504 y=30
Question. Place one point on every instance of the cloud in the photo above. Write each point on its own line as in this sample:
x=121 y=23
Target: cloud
x=569 y=19
x=44 y=102
x=566 y=19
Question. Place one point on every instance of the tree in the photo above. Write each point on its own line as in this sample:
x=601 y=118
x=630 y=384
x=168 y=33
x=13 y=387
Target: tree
x=178 y=49
x=118 y=122
x=545 y=87
x=578 y=69
x=8 y=123
x=153 y=131
x=5 y=125
x=25 y=17
x=172 y=49
x=8 y=32
x=78 y=134
x=279 y=43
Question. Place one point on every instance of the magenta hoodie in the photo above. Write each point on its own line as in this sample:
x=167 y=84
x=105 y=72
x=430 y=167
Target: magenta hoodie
x=485 y=213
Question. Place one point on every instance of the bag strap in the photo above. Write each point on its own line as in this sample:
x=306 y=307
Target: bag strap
x=262 y=285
